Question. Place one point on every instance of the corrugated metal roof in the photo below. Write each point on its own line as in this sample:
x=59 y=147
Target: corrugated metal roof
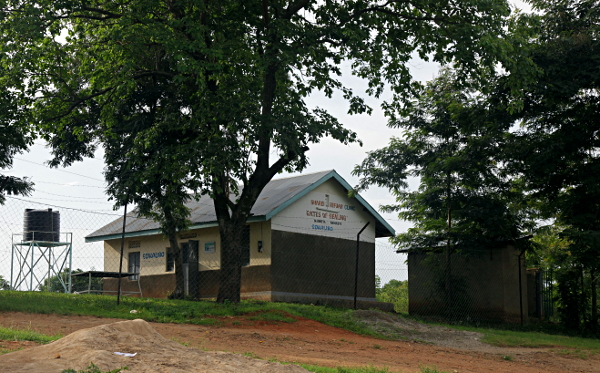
x=277 y=194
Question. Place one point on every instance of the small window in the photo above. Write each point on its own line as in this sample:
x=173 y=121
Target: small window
x=134 y=265
x=134 y=244
x=170 y=260
x=210 y=247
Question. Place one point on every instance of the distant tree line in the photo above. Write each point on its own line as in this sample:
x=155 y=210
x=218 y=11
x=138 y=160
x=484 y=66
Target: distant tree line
x=395 y=292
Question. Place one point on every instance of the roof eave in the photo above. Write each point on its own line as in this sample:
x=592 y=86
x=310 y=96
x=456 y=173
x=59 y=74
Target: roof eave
x=149 y=232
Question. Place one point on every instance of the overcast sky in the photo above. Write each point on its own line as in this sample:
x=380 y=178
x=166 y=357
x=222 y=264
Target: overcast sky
x=82 y=185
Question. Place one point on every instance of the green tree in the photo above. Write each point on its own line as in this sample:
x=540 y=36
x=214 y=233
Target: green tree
x=228 y=80
x=452 y=136
x=451 y=142
x=60 y=282
x=4 y=285
x=15 y=138
x=395 y=292
x=555 y=149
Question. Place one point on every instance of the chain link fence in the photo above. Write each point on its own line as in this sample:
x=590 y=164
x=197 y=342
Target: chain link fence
x=480 y=286
x=279 y=265
x=483 y=286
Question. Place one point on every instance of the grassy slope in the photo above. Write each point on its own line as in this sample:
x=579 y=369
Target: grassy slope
x=175 y=311
x=193 y=312
x=10 y=334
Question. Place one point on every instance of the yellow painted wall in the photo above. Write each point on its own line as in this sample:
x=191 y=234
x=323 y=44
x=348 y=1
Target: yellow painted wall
x=260 y=232
x=153 y=250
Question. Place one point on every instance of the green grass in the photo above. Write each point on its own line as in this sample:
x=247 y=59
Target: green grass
x=319 y=369
x=175 y=311
x=272 y=316
x=535 y=335
x=511 y=338
x=92 y=368
x=11 y=334
x=431 y=370
x=210 y=313
x=367 y=369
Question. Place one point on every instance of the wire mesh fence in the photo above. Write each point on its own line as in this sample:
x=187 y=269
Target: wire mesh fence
x=278 y=265
x=479 y=286
x=26 y=262
x=486 y=286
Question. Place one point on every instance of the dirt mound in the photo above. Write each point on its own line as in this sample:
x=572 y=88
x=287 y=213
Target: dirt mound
x=154 y=353
x=402 y=328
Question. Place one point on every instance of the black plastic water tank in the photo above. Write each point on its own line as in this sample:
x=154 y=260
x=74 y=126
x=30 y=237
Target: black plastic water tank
x=42 y=225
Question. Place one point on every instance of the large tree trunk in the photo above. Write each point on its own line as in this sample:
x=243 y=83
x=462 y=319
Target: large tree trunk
x=178 y=292
x=170 y=231
x=230 y=276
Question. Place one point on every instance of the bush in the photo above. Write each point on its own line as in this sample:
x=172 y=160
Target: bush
x=395 y=292
x=79 y=283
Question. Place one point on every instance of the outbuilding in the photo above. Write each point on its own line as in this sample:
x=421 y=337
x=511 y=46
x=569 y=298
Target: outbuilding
x=301 y=246
x=487 y=284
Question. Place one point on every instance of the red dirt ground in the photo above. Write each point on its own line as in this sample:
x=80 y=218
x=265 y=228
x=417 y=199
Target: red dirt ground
x=310 y=342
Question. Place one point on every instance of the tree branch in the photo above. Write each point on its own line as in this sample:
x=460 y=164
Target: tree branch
x=294 y=8
x=284 y=161
x=383 y=9
x=81 y=100
x=154 y=73
x=106 y=13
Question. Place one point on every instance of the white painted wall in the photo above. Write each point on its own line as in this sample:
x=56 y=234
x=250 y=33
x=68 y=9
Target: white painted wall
x=326 y=211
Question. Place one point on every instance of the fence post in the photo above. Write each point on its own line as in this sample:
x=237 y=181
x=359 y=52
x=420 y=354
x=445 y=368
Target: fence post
x=356 y=267
x=121 y=257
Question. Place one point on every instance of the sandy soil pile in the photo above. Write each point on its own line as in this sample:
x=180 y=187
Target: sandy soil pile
x=154 y=353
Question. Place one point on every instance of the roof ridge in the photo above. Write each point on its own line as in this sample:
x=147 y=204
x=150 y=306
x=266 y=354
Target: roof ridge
x=300 y=175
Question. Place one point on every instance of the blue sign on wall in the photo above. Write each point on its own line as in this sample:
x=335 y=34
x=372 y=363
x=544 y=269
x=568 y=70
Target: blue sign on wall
x=160 y=254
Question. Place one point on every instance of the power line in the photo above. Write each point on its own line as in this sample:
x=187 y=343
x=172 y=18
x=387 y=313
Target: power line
x=62 y=195
x=100 y=212
x=65 y=200
x=69 y=172
x=46 y=145
x=70 y=185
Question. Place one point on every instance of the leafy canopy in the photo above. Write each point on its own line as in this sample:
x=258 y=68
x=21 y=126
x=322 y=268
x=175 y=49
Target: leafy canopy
x=227 y=74
x=555 y=149
x=209 y=96
x=15 y=138
x=450 y=141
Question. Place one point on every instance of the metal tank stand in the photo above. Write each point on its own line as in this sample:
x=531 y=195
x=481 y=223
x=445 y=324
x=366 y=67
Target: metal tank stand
x=32 y=262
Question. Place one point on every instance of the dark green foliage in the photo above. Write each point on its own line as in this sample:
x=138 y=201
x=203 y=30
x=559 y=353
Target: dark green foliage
x=4 y=284
x=395 y=292
x=451 y=143
x=555 y=149
x=15 y=138
x=570 y=307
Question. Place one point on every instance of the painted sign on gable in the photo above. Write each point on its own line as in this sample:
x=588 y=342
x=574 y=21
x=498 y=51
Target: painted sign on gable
x=325 y=212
